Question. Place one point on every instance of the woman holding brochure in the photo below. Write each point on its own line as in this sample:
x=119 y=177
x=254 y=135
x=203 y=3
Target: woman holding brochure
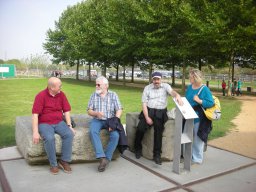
x=199 y=96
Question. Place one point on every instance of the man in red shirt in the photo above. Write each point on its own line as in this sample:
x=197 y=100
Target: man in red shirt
x=47 y=119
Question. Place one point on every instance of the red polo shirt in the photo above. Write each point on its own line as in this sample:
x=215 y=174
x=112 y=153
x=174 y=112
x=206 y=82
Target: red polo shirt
x=50 y=108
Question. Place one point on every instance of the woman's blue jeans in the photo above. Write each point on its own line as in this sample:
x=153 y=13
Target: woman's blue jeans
x=95 y=127
x=197 y=146
x=47 y=132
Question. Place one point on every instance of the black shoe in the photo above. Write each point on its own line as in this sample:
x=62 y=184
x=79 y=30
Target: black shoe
x=138 y=154
x=158 y=160
x=103 y=163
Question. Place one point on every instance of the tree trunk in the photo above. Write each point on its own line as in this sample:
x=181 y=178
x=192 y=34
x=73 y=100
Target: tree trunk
x=183 y=77
x=77 y=69
x=199 y=64
x=132 y=79
x=233 y=69
x=124 y=76
x=104 y=70
x=231 y=65
x=117 y=71
x=150 y=72
x=89 y=72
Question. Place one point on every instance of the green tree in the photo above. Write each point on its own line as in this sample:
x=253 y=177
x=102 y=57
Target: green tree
x=62 y=42
x=234 y=21
x=162 y=34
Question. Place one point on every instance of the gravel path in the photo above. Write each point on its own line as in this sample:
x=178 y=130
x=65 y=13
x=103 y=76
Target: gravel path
x=242 y=139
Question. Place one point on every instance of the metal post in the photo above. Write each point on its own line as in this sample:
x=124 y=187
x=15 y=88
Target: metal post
x=180 y=138
x=177 y=141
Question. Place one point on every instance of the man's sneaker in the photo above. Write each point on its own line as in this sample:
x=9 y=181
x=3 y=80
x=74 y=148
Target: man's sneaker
x=195 y=163
x=65 y=166
x=103 y=163
x=54 y=170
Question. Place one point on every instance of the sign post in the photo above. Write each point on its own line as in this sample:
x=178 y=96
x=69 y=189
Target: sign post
x=185 y=138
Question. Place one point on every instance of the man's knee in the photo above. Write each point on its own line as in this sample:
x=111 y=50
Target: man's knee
x=114 y=135
x=49 y=138
x=92 y=131
x=70 y=135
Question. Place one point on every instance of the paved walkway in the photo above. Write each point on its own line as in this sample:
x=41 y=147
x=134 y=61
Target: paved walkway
x=221 y=171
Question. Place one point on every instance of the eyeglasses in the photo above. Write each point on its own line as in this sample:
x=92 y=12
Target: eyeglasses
x=97 y=85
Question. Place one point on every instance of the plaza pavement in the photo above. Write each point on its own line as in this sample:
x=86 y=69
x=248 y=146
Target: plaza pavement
x=221 y=171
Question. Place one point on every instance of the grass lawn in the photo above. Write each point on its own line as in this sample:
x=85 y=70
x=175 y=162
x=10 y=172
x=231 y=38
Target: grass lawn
x=17 y=96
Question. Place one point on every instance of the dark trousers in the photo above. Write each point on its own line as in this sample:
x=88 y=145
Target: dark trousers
x=223 y=91
x=158 y=123
x=239 y=92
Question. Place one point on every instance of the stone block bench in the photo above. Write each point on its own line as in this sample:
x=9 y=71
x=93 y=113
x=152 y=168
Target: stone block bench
x=132 y=120
x=82 y=149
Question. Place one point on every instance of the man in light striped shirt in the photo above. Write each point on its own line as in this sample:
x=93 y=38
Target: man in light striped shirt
x=103 y=104
x=154 y=113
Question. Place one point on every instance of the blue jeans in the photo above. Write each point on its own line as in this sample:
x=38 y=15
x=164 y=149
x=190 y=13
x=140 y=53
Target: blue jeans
x=197 y=146
x=47 y=132
x=95 y=128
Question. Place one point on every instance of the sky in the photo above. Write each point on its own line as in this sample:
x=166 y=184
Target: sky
x=24 y=23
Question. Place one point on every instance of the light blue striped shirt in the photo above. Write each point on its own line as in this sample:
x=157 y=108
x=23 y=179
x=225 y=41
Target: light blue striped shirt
x=108 y=105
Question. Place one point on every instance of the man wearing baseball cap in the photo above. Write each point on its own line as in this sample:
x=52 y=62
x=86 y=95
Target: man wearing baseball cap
x=154 y=113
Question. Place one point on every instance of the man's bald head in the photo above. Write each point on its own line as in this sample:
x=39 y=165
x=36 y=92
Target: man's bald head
x=54 y=85
x=53 y=81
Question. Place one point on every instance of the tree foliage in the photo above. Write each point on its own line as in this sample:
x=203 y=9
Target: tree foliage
x=155 y=33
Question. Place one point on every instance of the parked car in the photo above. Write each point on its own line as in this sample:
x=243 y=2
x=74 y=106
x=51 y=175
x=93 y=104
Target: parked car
x=178 y=74
x=111 y=75
x=167 y=74
x=143 y=75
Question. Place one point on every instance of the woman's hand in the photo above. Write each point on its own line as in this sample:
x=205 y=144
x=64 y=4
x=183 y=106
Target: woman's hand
x=198 y=100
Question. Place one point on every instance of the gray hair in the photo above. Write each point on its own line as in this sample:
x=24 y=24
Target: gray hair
x=102 y=79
